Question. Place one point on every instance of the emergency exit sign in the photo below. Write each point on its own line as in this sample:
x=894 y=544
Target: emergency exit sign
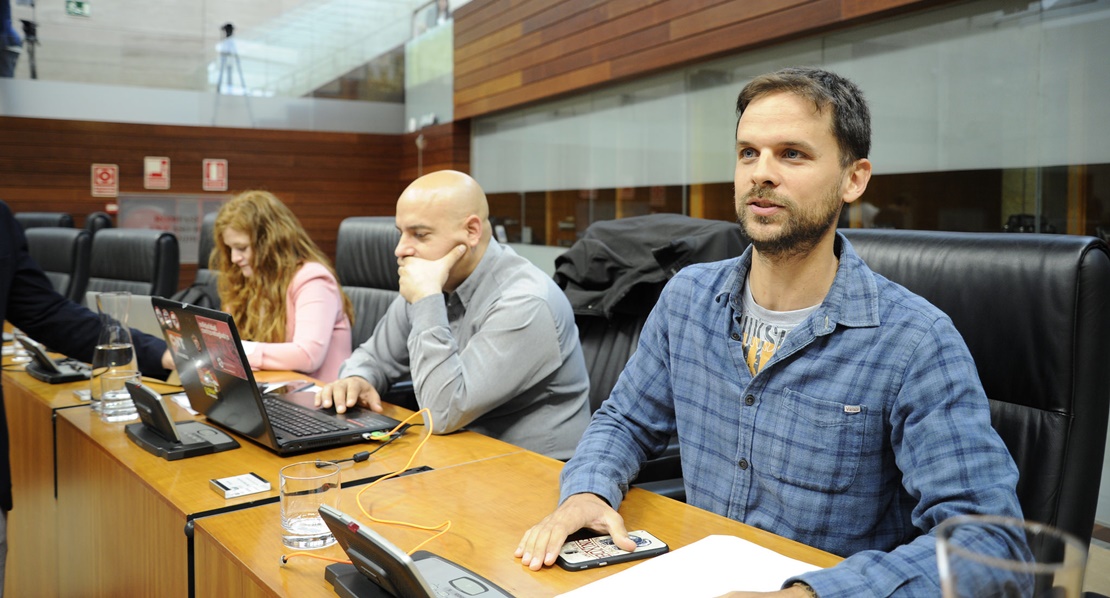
x=77 y=8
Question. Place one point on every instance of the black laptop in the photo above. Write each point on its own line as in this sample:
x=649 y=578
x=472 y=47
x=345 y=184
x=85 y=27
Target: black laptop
x=217 y=379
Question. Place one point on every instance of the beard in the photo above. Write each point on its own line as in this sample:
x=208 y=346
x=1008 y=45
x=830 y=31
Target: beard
x=800 y=230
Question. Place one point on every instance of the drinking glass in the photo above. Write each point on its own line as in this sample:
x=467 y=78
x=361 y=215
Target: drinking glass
x=304 y=487
x=19 y=353
x=1046 y=562
x=114 y=349
x=115 y=400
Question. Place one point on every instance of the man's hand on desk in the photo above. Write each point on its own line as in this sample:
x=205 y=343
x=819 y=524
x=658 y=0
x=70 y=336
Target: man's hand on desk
x=347 y=392
x=540 y=545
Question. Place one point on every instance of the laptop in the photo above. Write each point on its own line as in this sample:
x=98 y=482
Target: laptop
x=378 y=568
x=218 y=380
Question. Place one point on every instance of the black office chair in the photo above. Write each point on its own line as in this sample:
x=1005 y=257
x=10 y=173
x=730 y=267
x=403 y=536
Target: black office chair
x=37 y=219
x=63 y=254
x=144 y=262
x=204 y=291
x=1035 y=313
x=98 y=221
x=367 y=269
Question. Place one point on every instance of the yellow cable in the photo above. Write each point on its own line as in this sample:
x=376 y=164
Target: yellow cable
x=445 y=525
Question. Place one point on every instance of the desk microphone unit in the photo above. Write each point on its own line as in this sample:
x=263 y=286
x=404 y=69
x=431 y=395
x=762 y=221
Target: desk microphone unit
x=379 y=569
x=43 y=368
x=158 y=434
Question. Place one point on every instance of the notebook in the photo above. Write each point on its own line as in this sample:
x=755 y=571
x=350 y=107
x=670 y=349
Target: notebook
x=380 y=568
x=218 y=380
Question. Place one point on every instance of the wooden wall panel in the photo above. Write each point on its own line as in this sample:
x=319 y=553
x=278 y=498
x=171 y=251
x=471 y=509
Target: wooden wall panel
x=324 y=177
x=447 y=147
x=509 y=53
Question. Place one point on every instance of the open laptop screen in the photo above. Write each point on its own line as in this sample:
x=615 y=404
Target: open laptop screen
x=213 y=369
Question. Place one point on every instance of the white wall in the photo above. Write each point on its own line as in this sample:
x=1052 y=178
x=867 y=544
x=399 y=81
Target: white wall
x=968 y=87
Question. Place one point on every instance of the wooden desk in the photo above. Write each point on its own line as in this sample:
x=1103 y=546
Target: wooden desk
x=122 y=512
x=31 y=406
x=491 y=503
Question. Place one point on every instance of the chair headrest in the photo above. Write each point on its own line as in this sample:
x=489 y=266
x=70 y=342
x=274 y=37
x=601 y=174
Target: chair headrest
x=207 y=239
x=1026 y=293
x=36 y=219
x=98 y=221
x=364 y=252
x=56 y=248
x=136 y=255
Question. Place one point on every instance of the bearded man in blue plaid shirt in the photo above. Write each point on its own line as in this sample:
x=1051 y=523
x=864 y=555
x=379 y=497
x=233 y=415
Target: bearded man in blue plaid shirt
x=812 y=397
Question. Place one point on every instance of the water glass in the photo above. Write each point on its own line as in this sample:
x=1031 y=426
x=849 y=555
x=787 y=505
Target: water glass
x=1048 y=562
x=19 y=353
x=304 y=487
x=115 y=400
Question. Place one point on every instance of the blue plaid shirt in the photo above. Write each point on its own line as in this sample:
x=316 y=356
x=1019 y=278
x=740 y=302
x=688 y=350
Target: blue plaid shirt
x=865 y=430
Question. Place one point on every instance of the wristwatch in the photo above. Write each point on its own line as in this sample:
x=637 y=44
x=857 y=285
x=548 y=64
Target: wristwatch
x=805 y=586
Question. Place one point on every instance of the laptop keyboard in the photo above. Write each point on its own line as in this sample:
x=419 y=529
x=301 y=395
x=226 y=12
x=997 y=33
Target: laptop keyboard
x=298 y=422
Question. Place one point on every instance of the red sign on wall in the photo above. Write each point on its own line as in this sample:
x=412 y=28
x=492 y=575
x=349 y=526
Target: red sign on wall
x=215 y=175
x=156 y=173
x=105 y=180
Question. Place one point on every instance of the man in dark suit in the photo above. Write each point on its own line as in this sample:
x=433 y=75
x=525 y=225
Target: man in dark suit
x=28 y=301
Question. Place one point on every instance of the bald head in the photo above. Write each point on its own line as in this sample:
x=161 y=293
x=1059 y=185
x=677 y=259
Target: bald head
x=450 y=192
x=440 y=211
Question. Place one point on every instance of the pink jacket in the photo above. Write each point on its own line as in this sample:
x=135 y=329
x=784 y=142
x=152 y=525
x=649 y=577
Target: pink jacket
x=317 y=332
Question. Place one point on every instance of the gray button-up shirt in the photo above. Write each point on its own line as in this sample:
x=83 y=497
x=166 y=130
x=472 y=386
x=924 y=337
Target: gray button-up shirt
x=500 y=355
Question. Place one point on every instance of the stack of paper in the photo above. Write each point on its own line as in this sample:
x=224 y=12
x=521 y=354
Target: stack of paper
x=711 y=566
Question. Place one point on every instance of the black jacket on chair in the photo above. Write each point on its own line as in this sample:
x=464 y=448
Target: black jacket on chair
x=620 y=266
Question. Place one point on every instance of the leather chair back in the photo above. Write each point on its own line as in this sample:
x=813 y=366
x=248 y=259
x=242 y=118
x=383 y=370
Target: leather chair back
x=207 y=242
x=612 y=277
x=63 y=254
x=367 y=269
x=36 y=219
x=144 y=262
x=1035 y=313
x=98 y=221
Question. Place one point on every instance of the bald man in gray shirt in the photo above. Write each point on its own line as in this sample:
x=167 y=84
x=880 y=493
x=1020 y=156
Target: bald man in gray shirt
x=488 y=338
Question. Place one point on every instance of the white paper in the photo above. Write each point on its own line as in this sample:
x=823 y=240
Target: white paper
x=712 y=566
x=182 y=401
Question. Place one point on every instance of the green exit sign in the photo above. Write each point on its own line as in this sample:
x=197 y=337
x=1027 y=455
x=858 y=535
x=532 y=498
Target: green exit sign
x=77 y=8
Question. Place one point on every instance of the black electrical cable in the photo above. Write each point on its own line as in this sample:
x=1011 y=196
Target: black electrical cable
x=361 y=456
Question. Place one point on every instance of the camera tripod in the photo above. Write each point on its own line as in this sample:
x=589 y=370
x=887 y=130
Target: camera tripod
x=30 y=40
x=229 y=62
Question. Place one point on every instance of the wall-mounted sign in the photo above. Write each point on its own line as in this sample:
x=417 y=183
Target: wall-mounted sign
x=215 y=175
x=156 y=172
x=105 y=180
x=77 y=8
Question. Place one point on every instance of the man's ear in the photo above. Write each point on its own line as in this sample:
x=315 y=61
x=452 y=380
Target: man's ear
x=856 y=179
x=473 y=226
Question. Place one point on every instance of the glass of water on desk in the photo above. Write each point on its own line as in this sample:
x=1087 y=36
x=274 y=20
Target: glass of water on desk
x=116 y=404
x=1046 y=562
x=19 y=353
x=114 y=348
x=304 y=487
